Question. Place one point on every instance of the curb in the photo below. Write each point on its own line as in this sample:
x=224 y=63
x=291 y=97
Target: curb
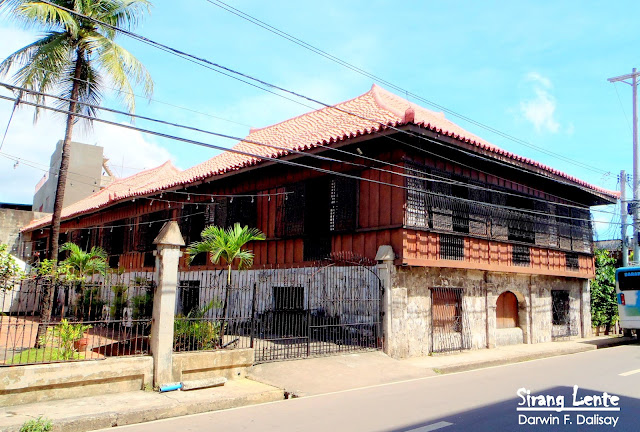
x=111 y=419
x=533 y=356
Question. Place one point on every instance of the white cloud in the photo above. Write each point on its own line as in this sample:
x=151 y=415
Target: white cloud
x=540 y=109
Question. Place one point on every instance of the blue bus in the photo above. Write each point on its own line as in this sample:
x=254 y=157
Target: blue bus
x=628 y=293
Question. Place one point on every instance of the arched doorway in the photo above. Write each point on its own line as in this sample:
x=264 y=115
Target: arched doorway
x=507 y=311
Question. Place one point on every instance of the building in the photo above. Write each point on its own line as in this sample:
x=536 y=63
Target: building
x=86 y=165
x=483 y=247
x=12 y=218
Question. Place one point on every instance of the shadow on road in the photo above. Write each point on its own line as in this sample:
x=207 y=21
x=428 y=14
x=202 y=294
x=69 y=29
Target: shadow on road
x=504 y=417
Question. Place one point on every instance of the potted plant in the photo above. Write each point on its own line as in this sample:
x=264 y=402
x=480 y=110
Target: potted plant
x=68 y=337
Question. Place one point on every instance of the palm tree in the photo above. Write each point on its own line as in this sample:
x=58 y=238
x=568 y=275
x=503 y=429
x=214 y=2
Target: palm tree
x=82 y=264
x=226 y=245
x=73 y=60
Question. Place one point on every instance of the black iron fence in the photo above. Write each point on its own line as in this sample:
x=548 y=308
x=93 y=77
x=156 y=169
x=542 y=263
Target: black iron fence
x=283 y=313
x=91 y=319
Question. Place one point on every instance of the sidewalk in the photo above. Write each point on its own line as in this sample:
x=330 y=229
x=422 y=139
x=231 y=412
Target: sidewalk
x=98 y=412
x=329 y=374
x=271 y=381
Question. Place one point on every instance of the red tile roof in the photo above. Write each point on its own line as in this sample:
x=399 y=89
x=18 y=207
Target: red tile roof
x=117 y=190
x=374 y=111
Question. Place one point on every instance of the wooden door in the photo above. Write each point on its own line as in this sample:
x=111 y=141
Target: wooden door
x=507 y=310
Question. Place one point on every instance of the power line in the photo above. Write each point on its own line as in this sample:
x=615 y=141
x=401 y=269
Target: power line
x=299 y=165
x=212 y=196
x=200 y=60
x=150 y=99
x=363 y=72
x=434 y=178
x=289 y=150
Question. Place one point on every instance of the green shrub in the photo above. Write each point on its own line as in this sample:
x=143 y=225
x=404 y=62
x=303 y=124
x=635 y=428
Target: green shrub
x=37 y=425
x=62 y=337
x=119 y=301
x=90 y=303
x=192 y=333
x=195 y=335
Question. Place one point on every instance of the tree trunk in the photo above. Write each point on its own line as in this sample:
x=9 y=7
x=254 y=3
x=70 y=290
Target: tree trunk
x=47 y=298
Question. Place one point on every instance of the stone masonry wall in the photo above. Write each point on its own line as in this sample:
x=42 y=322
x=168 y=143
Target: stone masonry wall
x=410 y=321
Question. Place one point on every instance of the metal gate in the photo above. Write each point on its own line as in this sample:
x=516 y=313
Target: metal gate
x=560 y=316
x=333 y=307
x=449 y=323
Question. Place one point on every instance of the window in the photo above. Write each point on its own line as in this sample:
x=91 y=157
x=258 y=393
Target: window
x=343 y=204
x=460 y=214
x=149 y=226
x=479 y=212
x=581 y=234
x=291 y=210
x=193 y=221
x=83 y=238
x=521 y=255
x=451 y=247
x=564 y=227
x=572 y=261
x=446 y=309
x=560 y=307
x=227 y=211
x=416 y=214
x=288 y=298
x=521 y=224
x=440 y=202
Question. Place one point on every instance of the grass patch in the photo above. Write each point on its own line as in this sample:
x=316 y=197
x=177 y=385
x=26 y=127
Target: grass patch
x=42 y=355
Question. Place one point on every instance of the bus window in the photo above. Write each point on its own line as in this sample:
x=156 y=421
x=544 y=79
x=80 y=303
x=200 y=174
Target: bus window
x=629 y=280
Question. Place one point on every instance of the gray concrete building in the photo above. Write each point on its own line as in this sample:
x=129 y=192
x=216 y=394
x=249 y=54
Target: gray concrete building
x=86 y=166
x=12 y=218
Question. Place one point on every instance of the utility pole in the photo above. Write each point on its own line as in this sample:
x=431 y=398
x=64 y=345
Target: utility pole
x=633 y=76
x=623 y=217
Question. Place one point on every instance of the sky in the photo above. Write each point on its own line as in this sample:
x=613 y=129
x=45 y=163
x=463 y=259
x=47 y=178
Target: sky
x=535 y=70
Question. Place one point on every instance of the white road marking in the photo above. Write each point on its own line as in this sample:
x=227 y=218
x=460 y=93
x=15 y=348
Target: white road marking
x=630 y=372
x=431 y=427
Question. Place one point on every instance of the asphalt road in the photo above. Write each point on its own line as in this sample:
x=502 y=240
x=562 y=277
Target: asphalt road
x=482 y=400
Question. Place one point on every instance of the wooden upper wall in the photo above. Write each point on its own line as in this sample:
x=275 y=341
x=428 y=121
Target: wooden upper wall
x=381 y=207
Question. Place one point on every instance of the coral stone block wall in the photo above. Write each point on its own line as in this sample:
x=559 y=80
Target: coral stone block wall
x=411 y=321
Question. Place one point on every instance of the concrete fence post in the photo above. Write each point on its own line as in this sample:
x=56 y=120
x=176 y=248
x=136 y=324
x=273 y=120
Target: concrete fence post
x=385 y=258
x=168 y=243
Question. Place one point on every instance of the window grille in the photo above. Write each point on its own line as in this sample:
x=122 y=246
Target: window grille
x=460 y=213
x=288 y=298
x=581 y=234
x=560 y=307
x=521 y=255
x=149 y=226
x=564 y=227
x=451 y=247
x=290 y=211
x=416 y=214
x=343 y=204
x=573 y=262
x=521 y=224
x=440 y=203
x=192 y=222
x=479 y=213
